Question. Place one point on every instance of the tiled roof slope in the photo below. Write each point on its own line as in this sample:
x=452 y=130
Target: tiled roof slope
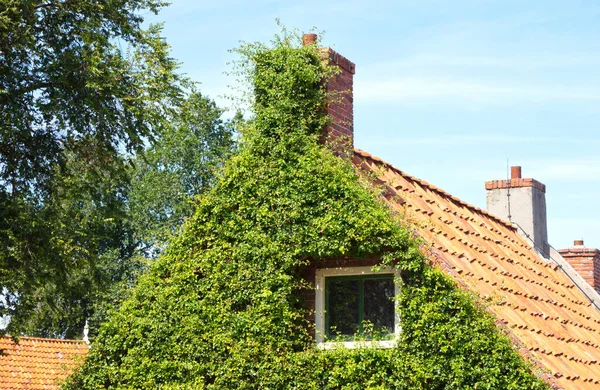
x=549 y=319
x=36 y=363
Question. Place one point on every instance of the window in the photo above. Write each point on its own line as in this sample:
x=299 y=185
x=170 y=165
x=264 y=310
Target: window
x=355 y=304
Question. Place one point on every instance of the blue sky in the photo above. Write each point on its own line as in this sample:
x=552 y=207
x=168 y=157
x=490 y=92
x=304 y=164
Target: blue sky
x=447 y=91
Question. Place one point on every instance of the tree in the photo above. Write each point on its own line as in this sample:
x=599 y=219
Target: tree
x=82 y=88
x=178 y=167
x=164 y=181
x=89 y=231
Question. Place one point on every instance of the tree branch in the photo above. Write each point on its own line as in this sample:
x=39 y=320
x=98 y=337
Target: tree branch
x=31 y=88
x=44 y=5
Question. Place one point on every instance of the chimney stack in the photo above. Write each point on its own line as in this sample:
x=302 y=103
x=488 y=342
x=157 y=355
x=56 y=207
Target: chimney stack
x=340 y=106
x=309 y=39
x=586 y=261
x=522 y=202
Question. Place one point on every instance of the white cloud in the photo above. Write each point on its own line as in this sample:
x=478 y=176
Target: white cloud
x=404 y=89
x=442 y=60
x=185 y=7
x=563 y=230
x=580 y=196
x=457 y=140
x=569 y=170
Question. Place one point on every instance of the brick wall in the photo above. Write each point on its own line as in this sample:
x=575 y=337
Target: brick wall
x=339 y=132
x=514 y=183
x=586 y=261
x=340 y=107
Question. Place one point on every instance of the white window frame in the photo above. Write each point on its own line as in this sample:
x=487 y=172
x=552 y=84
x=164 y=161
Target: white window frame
x=321 y=274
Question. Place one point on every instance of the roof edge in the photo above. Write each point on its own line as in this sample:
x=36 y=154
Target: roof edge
x=50 y=340
x=431 y=187
x=515 y=183
x=579 y=251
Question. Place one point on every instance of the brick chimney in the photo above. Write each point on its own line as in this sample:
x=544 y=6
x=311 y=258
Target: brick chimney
x=586 y=261
x=522 y=202
x=340 y=107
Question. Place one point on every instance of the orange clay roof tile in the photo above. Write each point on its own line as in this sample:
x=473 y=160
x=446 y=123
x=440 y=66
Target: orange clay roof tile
x=553 y=323
x=35 y=363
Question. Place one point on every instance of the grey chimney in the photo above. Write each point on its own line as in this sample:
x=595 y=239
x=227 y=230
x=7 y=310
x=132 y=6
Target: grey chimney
x=522 y=202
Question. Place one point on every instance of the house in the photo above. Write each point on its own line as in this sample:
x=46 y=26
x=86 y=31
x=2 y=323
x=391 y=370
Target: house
x=547 y=308
x=36 y=363
x=535 y=295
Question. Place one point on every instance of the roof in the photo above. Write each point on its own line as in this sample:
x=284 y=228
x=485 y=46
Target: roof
x=35 y=363
x=549 y=320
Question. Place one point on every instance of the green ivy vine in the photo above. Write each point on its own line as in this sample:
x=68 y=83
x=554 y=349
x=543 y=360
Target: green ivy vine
x=222 y=308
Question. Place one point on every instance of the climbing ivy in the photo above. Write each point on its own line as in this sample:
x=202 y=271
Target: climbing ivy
x=223 y=308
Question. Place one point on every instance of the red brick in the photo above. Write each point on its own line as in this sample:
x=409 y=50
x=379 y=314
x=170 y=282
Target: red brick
x=586 y=262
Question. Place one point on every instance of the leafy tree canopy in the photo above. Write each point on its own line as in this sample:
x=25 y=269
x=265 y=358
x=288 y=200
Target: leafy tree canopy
x=81 y=77
x=84 y=90
x=179 y=166
x=164 y=180
x=222 y=307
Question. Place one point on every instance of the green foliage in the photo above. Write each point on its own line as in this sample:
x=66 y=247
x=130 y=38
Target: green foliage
x=222 y=308
x=82 y=85
x=78 y=76
x=84 y=89
x=180 y=165
x=60 y=256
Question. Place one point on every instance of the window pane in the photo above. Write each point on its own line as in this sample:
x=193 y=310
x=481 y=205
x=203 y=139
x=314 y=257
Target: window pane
x=378 y=304
x=343 y=304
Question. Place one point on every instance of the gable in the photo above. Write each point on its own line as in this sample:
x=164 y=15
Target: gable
x=222 y=307
x=549 y=319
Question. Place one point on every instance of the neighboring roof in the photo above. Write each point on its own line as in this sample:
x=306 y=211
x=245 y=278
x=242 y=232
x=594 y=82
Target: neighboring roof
x=550 y=320
x=35 y=363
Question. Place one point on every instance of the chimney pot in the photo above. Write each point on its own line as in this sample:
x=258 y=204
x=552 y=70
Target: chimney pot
x=578 y=242
x=515 y=172
x=309 y=39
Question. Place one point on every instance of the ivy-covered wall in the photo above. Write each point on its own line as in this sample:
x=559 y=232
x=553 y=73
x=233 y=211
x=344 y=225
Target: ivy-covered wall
x=223 y=308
